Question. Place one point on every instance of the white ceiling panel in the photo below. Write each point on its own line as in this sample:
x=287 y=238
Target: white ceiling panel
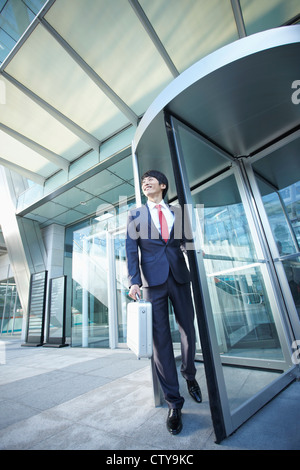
x=44 y=67
x=111 y=39
x=23 y=115
x=19 y=154
x=190 y=30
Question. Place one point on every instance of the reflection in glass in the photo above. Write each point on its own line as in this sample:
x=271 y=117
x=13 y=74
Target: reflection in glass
x=236 y=283
x=121 y=285
x=259 y=16
x=11 y=313
x=89 y=300
x=242 y=313
x=15 y=17
x=283 y=211
x=291 y=200
x=99 y=277
x=292 y=271
x=244 y=323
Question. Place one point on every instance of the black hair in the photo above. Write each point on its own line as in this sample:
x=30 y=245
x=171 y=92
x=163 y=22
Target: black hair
x=162 y=179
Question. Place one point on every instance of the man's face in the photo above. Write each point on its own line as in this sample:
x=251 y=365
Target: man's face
x=151 y=187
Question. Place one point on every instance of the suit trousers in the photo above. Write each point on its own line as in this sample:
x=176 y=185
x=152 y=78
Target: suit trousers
x=163 y=355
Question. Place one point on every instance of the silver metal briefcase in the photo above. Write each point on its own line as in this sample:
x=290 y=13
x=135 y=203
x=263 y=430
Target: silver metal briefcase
x=139 y=328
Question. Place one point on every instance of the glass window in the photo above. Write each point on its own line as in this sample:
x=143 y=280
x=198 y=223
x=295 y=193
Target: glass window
x=291 y=199
x=20 y=113
x=94 y=30
x=259 y=16
x=278 y=217
x=15 y=17
x=241 y=307
x=292 y=271
x=189 y=30
x=283 y=211
x=99 y=276
x=89 y=299
x=11 y=312
x=121 y=284
x=96 y=247
x=54 y=72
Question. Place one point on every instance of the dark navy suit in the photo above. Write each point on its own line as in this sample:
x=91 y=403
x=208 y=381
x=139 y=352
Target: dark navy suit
x=161 y=269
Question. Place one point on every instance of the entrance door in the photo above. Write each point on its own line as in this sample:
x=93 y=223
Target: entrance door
x=118 y=293
x=90 y=309
x=234 y=283
x=100 y=291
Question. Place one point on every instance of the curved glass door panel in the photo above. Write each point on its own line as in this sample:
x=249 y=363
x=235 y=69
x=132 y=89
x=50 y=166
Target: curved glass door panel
x=236 y=279
x=282 y=208
x=241 y=304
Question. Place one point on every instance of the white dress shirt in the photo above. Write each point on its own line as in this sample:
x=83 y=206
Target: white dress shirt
x=166 y=211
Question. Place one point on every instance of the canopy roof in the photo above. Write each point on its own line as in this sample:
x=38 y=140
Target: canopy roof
x=85 y=69
x=235 y=103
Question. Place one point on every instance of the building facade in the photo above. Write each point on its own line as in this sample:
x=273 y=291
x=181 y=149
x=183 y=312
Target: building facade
x=94 y=93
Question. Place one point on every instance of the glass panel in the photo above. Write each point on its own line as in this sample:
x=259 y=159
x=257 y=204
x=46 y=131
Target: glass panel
x=291 y=199
x=239 y=295
x=11 y=313
x=191 y=30
x=292 y=271
x=121 y=285
x=20 y=112
x=94 y=30
x=82 y=164
x=241 y=307
x=15 y=17
x=200 y=155
x=54 y=72
x=98 y=259
x=259 y=15
x=279 y=221
x=89 y=302
x=15 y=152
x=244 y=322
x=283 y=211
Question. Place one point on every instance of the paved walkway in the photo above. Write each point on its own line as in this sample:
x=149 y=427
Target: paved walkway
x=73 y=399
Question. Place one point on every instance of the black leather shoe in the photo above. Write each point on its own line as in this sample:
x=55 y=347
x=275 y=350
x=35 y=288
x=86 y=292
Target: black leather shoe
x=194 y=390
x=174 y=423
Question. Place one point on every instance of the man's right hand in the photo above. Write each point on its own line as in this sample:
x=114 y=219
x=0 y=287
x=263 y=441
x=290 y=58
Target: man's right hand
x=134 y=289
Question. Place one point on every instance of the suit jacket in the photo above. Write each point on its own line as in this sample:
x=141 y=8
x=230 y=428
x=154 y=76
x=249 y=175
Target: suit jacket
x=149 y=257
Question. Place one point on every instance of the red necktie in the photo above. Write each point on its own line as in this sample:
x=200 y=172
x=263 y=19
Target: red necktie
x=163 y=224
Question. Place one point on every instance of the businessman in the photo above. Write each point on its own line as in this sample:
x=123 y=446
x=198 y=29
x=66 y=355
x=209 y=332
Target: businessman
x=155 y=260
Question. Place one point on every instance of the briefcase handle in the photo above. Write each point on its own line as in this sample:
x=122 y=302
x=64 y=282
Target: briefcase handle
x=138 y=299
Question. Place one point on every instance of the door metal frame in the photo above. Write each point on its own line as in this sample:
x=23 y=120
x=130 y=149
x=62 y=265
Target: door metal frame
x=213 y=368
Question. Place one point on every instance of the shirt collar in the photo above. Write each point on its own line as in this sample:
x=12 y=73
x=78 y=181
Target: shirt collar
x=151 y=204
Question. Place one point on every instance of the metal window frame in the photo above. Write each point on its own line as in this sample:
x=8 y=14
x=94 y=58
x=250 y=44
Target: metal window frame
x=153 y=36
